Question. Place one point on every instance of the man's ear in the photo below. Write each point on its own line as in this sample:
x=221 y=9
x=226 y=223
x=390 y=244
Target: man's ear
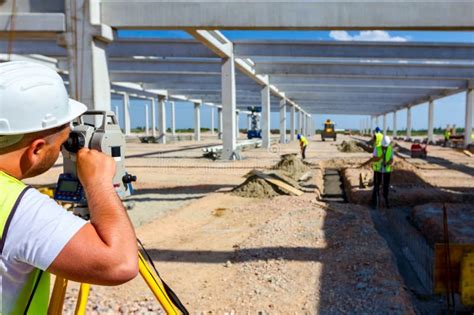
x=36 y=149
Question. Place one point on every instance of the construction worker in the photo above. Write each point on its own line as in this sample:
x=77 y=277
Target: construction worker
x=303 y=145
x=447 y=135
x=377 y=138
x=38 y=237
x=382 y=160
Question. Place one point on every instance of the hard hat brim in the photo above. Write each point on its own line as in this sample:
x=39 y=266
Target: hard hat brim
x=76 y=110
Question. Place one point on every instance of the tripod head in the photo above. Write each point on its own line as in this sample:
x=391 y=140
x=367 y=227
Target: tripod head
x=106 y=137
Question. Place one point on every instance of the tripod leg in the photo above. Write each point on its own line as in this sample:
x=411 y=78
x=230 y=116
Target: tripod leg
x=57 y=297
x=156 y=286
x=82 y=299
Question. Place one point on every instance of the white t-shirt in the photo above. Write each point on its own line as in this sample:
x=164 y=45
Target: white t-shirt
x=39 y=230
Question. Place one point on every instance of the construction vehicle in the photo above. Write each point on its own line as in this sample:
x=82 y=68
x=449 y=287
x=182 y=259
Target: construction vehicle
x=328 y=132
x=418 y=151
x=254 y=131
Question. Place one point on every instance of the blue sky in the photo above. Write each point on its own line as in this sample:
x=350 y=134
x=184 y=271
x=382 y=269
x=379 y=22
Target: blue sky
x=449 y=110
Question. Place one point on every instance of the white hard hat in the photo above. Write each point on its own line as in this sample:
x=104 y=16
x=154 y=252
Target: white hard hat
x=386 y=141
x=33 y=98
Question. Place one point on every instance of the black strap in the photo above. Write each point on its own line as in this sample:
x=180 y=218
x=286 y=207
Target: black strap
x=173 y=297
x=35 y=287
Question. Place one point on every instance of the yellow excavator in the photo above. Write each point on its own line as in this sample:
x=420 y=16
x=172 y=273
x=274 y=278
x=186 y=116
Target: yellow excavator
x=328 y=132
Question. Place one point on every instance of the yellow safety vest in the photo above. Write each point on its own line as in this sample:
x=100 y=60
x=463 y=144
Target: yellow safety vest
x=377 y=166
x=30 y=300
x=303 y=141
x=447 y=134
x=378 y=139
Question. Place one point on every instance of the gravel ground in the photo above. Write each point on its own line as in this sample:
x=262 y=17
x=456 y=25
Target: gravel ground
x=222 y=253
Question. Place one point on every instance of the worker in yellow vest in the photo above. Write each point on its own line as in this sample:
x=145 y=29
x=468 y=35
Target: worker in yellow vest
x=303 y=145
x=38 y=237
x=447 y=135
x=382 y=161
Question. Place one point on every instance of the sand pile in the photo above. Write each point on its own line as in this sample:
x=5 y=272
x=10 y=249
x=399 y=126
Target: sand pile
x=292 y=166
x=350 y=147
x=256 y=187
x=288 y=171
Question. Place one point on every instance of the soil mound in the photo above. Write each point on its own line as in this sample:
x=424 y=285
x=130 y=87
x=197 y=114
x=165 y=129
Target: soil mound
x=256 y=187
x=291 y=166
x=350 y=147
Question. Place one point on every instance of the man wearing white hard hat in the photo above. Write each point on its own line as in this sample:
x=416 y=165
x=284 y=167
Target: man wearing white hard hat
x=382 y=161
x=38 y=236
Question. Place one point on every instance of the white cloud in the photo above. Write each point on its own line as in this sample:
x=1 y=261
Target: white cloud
x=380 y=36
x=340 y=35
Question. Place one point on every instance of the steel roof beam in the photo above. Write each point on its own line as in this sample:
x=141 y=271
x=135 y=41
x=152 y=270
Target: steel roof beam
x=328 y=81
x=299 y=14
x=430 y=71
x=289 y=89
x=352 y=49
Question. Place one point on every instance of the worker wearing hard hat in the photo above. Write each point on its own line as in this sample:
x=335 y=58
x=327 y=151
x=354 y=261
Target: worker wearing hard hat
x=382 y=161
x=377 y=138
x=38 y=236
x=303 y=145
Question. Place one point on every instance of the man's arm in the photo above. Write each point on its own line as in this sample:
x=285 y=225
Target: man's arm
x=104 y=251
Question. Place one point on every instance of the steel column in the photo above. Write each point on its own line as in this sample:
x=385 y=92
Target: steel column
x=173 y=119
x=197 y=121
x=229 y=107
x=283 y=121
x=292 y=124
x=468 y=118
x=395 y=123
x=430 y=120
x=162 y=119
x=266 y=117
x=409 y=122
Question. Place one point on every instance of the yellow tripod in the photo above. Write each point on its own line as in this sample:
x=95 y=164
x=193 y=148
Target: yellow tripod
x=152 y=280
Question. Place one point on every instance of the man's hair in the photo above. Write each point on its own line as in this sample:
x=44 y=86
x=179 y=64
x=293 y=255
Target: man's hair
x=15 y=142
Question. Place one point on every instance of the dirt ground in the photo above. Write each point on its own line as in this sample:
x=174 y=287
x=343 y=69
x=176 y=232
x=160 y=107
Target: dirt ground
x=224 y=254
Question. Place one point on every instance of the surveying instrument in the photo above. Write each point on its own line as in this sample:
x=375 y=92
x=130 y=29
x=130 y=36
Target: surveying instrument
x=109 y=139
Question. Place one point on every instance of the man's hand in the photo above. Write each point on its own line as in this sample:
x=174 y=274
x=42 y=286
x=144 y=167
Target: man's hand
x=94 y=168
x=105 y=250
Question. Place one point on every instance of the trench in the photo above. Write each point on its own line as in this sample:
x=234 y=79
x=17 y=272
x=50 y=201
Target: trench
x=413 y=255
x=333 y=186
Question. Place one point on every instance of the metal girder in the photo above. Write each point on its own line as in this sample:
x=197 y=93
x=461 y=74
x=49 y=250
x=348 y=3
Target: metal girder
x=159 y=48
x=289 y=89
x=287 y=80
x=193 y=80
x=151 y=66
x=130 y=76
x=340 y=49
x=358 y=94
x=166 y=48
x=32 y=22
x=197 y=86
x=300 y=14
x=133 y=90
x=211 y=92
x=369 y=70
